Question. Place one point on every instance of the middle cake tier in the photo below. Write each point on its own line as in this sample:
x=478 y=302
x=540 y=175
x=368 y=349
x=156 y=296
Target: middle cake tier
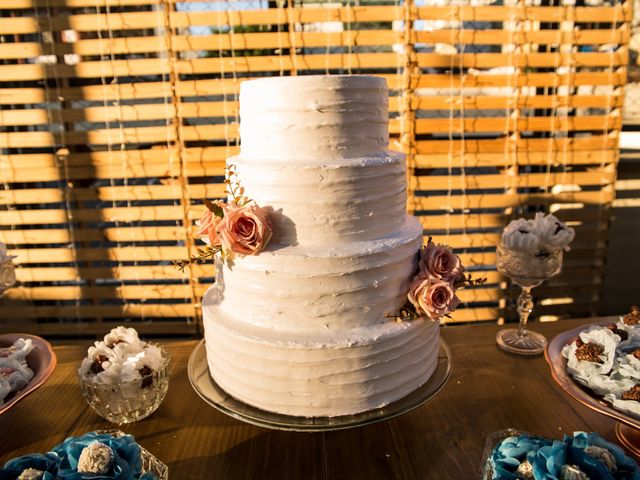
x=306 y=289
x=318 y=203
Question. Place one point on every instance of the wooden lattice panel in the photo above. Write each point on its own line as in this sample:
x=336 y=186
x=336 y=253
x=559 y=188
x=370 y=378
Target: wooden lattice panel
x=116 y=117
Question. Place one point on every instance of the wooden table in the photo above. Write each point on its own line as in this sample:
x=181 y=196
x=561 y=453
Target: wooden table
x=488 y=391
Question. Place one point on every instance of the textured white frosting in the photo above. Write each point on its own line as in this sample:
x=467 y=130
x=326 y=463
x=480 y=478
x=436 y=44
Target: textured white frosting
x=313 y=117
x=316 y=290
x=329 y=203
x=302 y=328
x=322 y=374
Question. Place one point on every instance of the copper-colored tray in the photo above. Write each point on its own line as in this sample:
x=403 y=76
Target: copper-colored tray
x=628 y=428
x=42 y=360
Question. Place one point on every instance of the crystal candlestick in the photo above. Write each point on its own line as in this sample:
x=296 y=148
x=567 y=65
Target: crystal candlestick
x=527 y=270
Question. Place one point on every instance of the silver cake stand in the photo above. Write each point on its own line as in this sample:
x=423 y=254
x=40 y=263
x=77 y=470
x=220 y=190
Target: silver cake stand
x=207 y=388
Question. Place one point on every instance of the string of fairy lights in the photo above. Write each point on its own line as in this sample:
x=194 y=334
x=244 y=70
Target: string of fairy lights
x=342 y=53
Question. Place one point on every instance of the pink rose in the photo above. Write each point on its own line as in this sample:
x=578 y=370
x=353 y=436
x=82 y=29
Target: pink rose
x=208 y=224
x=244 y=230
x=440 y=262
x=432 y=296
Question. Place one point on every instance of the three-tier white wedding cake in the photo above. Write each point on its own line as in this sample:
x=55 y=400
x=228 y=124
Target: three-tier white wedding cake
x=303 y=328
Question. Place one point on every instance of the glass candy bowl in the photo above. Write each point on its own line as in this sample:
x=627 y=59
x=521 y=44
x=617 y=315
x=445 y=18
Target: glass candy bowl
x=528 y=271
x=131 y=401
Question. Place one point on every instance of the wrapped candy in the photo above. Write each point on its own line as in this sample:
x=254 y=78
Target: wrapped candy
x=520 y=236
x=15 y=374
x=553 y=234
x=580 y=456
x=545 y=233
x=606 y=359
x=120 y=358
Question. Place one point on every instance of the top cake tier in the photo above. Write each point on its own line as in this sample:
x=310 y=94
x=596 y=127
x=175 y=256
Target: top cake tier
x=313 y=117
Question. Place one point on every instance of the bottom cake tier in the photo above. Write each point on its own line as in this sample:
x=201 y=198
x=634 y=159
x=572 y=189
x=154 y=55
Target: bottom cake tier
x=319 y=375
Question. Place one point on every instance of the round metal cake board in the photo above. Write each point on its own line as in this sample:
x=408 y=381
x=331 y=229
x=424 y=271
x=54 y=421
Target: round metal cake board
x=207 y=388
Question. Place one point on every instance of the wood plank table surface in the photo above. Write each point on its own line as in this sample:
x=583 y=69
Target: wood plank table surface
x=489 y=390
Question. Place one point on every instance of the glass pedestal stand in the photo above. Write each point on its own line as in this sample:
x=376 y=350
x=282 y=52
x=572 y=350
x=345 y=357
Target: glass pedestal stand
x=520 y=340
x=526 y=270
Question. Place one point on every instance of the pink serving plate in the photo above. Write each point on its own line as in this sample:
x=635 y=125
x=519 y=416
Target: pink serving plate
x=42 y=360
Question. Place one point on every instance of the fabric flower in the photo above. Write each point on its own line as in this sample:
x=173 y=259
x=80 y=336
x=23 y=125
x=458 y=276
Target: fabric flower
x=520 y=236
x=547 y=461
x=627 y=366
x=120 y=359
x=126 y=463
x=122 y=334
x=208 y=224
x=432 y=296
x=553 y=233
x=34 y=464
x=599 y=458
x=628 y=407
x=244 y=230
x=508 y=456
x=439 y=261
x=599 y=336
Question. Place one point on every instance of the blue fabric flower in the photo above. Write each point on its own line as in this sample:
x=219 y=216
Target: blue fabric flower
x=511 y=452
x=126 y=463
x=626 y=467
x=47 y=463
x=548 y=460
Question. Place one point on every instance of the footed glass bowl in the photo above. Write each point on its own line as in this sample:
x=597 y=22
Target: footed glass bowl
x=129 y=402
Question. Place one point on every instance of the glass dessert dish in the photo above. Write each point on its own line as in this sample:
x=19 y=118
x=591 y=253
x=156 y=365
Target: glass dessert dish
x=150 y=464
x=129 y=401
x=526 y=270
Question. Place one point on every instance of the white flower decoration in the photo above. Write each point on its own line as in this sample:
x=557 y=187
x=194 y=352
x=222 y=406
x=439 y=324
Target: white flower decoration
x=582 y=368
x=603 y=384
x=629 y=407
x=553 y=234
x=627 y=366
x=520 y=236
x=14 y=371
x=120 y=356
x=122 y=335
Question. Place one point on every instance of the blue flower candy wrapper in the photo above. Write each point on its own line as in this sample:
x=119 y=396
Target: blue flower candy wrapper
x=126 y=462
x=61 y=463
x=587 y=454
x=47 y=463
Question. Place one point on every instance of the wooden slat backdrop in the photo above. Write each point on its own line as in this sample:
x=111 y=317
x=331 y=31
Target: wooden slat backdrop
x=116 y=117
